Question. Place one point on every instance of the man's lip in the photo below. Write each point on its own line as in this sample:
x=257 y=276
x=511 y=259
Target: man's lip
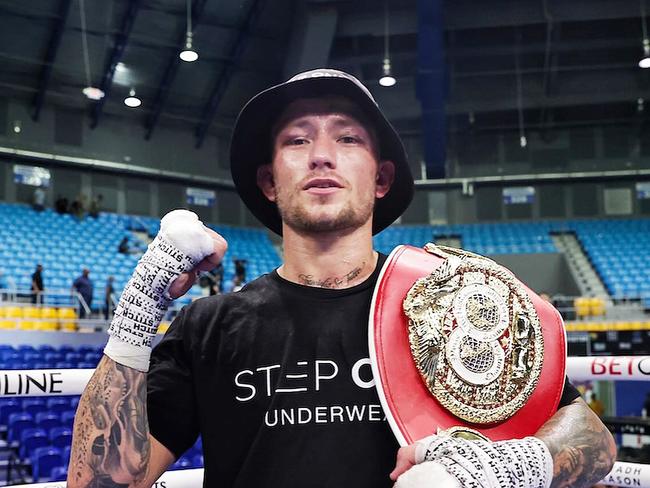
x=322 y=183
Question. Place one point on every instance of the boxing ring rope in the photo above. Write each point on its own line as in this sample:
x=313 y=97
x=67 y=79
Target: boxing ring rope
x=57 y=382
x=39 y=382
x=186 y=478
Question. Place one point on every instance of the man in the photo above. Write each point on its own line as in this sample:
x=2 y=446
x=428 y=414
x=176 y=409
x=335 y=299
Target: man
x=95 y=206
x=123 y=246
x=84 y=286
x=240 y=269
x=275 y=377
x=596 y=405
x=109 y=290
x=37 y=284
x=38 y=199
x=61 y=205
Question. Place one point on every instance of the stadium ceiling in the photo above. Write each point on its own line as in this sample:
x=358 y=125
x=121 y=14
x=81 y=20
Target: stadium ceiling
x=577 y=60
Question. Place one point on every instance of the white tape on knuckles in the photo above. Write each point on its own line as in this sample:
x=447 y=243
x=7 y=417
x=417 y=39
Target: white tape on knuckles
x=517 y=463
x=145 y=300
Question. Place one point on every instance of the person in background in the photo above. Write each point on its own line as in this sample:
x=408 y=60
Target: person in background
x=38 y=199
x=240 y=269
x=84 y=286
x=123 y=246
x=61 y=205
x=596 y=405
x=95 y=204
x=237 y=283
x=108 y=297
x=4 y=285
x=37 y=284
x=217 y=277
x=3 y=280
x=78 y=206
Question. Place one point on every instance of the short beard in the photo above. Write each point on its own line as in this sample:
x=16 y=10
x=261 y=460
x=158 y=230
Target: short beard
x=301 y=221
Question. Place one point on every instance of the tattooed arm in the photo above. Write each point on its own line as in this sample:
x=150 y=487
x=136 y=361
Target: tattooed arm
x=111 y=444
x=582 y=448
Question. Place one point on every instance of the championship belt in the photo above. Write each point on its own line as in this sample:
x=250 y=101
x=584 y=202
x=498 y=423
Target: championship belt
x=458 y=345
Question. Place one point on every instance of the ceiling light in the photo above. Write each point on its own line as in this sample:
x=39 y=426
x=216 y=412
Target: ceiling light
x=523 y=142
x=188 y=54
x=121 y=67
x=17 y=126
x=132 y=101
x=387 y=79
x=645 y=60
x=93 y=93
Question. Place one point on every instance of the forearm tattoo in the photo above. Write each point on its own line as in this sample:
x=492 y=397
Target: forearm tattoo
x=110 y=446
x=582 y=448
x=331 y=281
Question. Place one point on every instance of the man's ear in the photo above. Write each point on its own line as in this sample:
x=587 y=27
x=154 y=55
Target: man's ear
x=385 y=178
x=265 y=181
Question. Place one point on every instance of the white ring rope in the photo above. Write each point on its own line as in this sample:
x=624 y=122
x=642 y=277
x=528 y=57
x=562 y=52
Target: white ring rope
x=184 y=478
x=617 y=368
x=42 y=382
x=55 y=382
x=623 y=474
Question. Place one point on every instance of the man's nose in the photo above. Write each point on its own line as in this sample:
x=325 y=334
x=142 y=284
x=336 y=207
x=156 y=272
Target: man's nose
x=322 y=154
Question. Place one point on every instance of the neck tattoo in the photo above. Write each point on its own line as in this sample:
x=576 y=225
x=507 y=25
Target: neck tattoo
x=331 y=281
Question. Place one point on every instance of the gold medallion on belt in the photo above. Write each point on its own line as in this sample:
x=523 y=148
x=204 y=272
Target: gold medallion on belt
x=475 y=336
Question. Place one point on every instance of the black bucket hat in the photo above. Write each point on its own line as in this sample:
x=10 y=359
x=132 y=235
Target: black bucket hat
x=251 y=142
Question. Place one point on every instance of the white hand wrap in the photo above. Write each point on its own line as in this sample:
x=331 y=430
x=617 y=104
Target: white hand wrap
x=179 y=246
x=518 y=463
x=426 y=475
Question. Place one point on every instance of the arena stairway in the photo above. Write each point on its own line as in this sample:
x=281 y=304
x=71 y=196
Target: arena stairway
x=586 y=277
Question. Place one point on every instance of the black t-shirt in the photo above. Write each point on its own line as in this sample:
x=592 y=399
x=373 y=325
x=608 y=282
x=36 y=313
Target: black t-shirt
x=276 y=378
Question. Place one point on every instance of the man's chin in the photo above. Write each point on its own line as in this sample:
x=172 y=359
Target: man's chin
x=325 y=223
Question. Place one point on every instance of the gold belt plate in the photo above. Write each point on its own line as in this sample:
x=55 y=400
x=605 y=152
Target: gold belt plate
x=475 y=336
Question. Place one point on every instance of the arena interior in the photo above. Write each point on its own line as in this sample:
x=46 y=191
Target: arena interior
x=524 y=121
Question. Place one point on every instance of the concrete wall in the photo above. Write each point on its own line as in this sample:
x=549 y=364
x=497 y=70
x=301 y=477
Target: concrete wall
x=579 y=200
x=542 y=272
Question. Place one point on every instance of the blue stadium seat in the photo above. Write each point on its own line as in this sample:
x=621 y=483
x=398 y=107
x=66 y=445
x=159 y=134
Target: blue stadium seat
x=33 y=406
x=73 y=357
x=67 y=418
x=17 y=423
x=59 y=473
x=44 y=460
x=31 y=439
x=197 y=461
x=7 y=407
x=48 y=420
x=60 y=436
x=182 y=462
x=57 y=405
x=74 y=401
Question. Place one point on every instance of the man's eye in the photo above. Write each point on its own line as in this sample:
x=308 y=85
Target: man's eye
x=298 y=141
x=348 y=139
